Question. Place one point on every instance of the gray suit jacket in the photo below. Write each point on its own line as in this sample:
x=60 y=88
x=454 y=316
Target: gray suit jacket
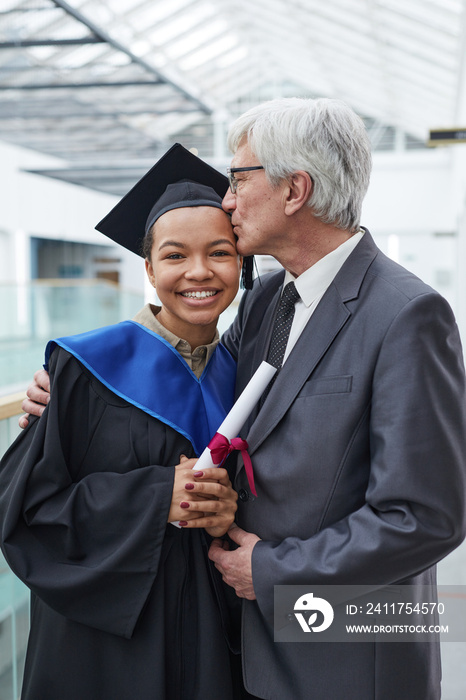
x=359 y=455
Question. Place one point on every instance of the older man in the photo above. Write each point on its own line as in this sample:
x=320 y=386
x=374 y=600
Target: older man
x=359 y=445
x=359 y=448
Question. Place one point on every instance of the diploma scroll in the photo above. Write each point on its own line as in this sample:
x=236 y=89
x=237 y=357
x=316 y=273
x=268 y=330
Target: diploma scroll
x=239 y=413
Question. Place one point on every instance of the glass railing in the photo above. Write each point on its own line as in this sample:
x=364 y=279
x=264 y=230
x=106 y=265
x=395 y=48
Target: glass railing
x=34 y=313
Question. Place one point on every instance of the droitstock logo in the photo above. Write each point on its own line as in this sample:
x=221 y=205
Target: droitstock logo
x=313 y=606
x=314 y=613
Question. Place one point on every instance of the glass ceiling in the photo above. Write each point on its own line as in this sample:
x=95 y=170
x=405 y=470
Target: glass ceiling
x=107 y=85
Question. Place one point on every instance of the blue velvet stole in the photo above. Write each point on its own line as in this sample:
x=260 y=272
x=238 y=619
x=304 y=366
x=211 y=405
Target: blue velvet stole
x=144 y=369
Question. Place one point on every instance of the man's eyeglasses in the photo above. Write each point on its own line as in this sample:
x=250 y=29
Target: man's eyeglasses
x=232 y=179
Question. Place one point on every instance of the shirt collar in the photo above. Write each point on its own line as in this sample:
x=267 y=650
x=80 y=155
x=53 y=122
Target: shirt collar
x=313 y=282
x=198 y=359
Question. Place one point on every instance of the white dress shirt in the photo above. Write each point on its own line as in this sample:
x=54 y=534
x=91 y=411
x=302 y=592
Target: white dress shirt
x=313 y=283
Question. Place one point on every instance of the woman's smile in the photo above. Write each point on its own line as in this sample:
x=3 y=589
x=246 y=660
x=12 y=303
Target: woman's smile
x=199 y=294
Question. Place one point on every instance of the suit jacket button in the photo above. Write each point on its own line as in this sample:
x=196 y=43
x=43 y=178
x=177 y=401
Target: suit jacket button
x=243 y=495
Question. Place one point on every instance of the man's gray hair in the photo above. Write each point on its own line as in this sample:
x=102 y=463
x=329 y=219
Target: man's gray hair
x=324 y=137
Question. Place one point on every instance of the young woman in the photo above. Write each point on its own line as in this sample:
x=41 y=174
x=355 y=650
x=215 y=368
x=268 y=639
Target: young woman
x=123 y=603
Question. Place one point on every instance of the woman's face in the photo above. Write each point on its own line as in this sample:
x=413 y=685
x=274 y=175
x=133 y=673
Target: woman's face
x=194 y=267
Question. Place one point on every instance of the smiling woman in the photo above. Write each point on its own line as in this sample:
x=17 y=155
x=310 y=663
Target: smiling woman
x=124 y=604
x=195 y=269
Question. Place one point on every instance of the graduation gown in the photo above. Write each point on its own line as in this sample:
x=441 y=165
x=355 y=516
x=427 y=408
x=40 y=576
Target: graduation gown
x=123 y=605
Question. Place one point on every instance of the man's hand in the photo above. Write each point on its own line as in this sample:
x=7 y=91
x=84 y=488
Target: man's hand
x=236 y=565
x=38 y=396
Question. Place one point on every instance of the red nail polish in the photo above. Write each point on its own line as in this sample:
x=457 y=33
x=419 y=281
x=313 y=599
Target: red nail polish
x=184 y=505
x=182 y=523
x=198 y=473
x=189 y=486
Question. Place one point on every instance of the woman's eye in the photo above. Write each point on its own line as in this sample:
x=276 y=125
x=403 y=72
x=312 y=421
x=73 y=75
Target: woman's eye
x=174 y=256
x=220 y=253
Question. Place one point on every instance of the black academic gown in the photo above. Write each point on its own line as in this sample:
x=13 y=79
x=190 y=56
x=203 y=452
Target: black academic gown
x=123 y=606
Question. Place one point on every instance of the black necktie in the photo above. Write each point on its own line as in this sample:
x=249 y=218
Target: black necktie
x=282 y=325
x=281 y=332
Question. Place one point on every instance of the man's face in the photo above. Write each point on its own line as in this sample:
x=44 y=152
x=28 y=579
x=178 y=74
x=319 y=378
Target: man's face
x=256 y=208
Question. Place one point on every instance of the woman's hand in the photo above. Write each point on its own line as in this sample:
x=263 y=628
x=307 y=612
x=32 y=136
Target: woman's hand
x=183 y=475
x=212 y=499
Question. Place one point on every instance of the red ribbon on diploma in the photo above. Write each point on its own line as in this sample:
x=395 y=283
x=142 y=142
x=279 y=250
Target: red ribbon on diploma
x=220 y=447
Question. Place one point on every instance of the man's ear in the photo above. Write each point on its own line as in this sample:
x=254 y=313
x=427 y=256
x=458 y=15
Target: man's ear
x=300 y=189
x=150 y=271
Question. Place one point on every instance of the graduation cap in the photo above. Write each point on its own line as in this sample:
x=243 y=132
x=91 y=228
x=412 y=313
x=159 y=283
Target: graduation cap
x=178 y=179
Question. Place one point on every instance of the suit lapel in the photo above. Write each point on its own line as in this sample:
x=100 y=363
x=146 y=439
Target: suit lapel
x=317 y=337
